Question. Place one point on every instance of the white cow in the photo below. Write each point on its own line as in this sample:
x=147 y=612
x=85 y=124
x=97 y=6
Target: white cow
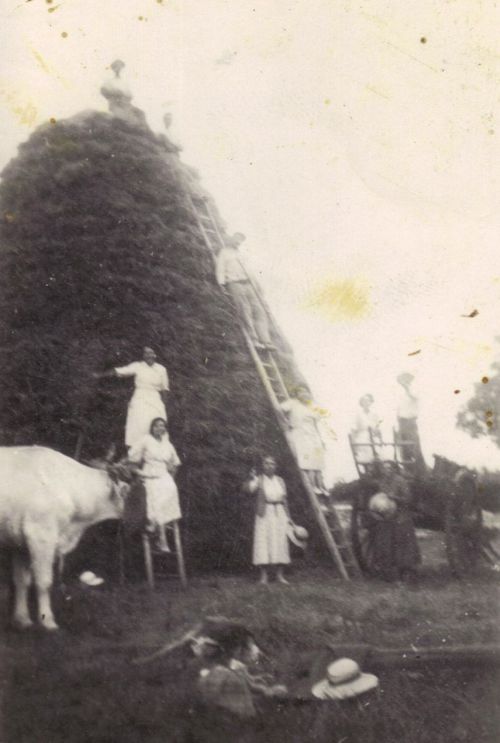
x=47 y=501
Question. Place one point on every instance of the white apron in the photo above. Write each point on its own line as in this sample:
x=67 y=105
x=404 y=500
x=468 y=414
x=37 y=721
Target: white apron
x=146 y=403
x=162 y=497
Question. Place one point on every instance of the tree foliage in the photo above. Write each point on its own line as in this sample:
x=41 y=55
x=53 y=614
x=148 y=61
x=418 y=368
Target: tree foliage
x=479 y=417
x=100 y=255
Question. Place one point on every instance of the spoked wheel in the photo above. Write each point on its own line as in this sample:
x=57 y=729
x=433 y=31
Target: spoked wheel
x=362 y=539
x=463 y=526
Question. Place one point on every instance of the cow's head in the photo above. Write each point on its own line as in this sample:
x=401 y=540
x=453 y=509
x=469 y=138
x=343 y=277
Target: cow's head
x=122 y=475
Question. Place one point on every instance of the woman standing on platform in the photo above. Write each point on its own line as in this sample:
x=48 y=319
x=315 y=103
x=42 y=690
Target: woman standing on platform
x=150 y=394
x=160 y=462
x=272 y=518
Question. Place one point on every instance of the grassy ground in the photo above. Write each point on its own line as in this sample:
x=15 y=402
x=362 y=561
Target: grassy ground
x=80 y=684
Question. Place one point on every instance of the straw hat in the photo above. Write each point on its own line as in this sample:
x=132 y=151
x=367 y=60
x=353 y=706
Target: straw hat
x=344 y=681
x=381 y=504
x=297 y=535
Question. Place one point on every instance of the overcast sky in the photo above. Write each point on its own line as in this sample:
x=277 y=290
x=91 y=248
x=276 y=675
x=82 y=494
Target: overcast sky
x=356 y=144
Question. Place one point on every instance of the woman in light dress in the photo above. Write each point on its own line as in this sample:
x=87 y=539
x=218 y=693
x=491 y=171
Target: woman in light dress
x=149 y=398
x=305 y=438
x=272 y=517
x=159 y=462
x=365 y=433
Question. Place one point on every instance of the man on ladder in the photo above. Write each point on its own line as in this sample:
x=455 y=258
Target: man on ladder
x=232 y=277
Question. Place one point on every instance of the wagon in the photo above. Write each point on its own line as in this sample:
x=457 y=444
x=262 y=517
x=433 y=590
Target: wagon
x=443 y=499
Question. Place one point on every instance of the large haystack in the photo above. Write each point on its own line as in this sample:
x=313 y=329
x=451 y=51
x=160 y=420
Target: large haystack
x=100 y=255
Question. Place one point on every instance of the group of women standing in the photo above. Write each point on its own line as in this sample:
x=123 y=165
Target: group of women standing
x=149 y=446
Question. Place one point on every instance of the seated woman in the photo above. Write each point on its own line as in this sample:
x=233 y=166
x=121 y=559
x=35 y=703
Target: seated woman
x=272 y=517
x=159 y=461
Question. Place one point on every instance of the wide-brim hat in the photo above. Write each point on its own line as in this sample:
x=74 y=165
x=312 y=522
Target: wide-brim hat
x=297 y=535
x=382 y=504
x=91 y=579
x=344 y=681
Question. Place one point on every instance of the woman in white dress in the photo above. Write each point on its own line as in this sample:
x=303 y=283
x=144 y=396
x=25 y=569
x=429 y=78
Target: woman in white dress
x=149 y=398
x=304 y=436
x=272 y=517
x=365 y=433
x=159 y=462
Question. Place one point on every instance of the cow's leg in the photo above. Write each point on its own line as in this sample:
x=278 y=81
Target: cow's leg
x=43 y=552
x=21 y=575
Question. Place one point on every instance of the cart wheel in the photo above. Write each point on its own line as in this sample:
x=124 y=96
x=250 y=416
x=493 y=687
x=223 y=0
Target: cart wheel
x=463 y=523
x=362 y=539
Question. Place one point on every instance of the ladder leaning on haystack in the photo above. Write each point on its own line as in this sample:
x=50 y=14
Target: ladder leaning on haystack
x=337 y=542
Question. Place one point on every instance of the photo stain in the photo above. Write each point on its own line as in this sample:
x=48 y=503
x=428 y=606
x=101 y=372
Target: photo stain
x=485 y=380
x=474 y=313
x=423 y=40
x=52 y=120
x=456 y=392
x=9 y=217
x=340 y=300
x=64 y=35
x=414 y=353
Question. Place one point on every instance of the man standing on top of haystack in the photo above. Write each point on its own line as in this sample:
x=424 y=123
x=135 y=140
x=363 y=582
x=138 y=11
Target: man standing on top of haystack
x=231 y=275
x=407 y=414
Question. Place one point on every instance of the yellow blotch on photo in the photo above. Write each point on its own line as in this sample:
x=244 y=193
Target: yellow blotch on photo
x=348 y=299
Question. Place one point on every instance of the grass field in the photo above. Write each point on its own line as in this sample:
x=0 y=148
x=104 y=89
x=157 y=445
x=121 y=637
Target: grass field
x=80 y=685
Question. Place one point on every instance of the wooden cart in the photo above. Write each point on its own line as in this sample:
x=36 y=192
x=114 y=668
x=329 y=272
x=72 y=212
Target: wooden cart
x=443 y=499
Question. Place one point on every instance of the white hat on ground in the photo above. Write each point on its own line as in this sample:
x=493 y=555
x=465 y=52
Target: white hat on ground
x=344 y=681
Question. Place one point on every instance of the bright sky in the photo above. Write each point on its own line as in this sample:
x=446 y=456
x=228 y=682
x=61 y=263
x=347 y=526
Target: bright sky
x=356 y=144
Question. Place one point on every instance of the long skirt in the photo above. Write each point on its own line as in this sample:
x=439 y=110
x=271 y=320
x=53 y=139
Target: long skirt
x=162 y=499
x=144 y=406
x=395 y=546
x=308 y=449
x=270 y=542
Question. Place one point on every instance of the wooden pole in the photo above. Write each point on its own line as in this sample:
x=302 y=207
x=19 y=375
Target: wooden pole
x=148 y=561
x=179 y=554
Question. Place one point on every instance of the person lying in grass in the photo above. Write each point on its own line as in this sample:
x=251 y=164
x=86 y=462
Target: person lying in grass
x=225 y=683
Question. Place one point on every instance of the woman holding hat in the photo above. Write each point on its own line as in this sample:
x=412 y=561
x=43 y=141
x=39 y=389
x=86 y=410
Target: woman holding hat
x=272 y=521
x=396 y=553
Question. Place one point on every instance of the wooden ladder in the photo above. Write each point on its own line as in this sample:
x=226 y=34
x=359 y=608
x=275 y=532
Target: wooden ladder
x=337 y=543
x=177 y=554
